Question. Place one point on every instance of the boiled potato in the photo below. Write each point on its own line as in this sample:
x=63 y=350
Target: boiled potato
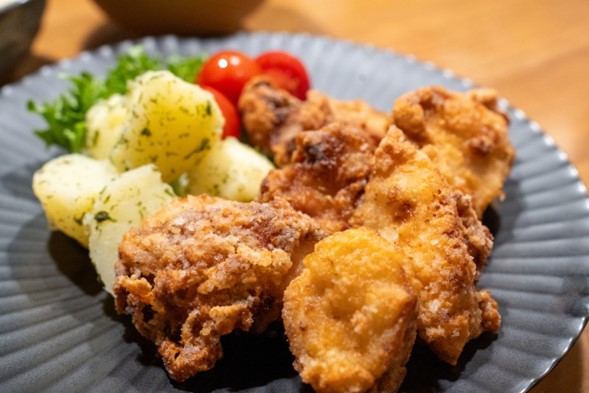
x=105 y=122
x=122 y=204
x=172 y=124
x=231 y=170
x=67 y=187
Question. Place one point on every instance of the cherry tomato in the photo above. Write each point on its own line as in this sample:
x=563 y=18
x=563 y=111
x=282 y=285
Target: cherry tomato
x=232 y=125
x=228 y=71
x=287 y=71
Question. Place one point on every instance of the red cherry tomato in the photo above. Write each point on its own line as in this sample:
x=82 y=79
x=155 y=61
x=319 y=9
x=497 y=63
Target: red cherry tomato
x=228 y=71
x=287 y=71
x=232 y=125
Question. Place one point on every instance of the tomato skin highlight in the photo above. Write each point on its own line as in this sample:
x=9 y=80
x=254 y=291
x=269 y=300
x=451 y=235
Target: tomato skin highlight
x=227 y=72
x=287 y=71
x=232 y=125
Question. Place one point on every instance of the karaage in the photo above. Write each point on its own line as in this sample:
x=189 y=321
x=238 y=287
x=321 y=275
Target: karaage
x=273 y=118
x=203 y=267
x=326 y=176
x=410 y=203
x=350 y=316
x=465 y=135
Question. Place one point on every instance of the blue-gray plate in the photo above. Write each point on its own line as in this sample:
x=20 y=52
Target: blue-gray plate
x=58 y=330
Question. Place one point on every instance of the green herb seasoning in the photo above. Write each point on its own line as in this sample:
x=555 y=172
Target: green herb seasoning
x=102 y=216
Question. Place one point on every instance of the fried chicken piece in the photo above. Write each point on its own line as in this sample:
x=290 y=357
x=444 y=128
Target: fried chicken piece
x=273 y=117
x=327 y=175
x=203 y=267
x=350 y=317
x=410 y=203
x=465 y=135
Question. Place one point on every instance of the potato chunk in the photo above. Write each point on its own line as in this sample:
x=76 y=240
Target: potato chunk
x=105 y=122
x=122 y=204
x=171 y=123
x=67 y=186
x=231 y=170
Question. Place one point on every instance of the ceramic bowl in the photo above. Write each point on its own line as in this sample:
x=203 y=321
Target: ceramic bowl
x=19 y=24
x=182 y=17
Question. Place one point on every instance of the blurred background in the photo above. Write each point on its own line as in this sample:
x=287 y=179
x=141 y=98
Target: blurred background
x=534 y=52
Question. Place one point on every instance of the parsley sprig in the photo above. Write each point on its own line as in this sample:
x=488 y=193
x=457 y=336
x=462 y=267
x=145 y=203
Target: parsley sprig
x=66 y=115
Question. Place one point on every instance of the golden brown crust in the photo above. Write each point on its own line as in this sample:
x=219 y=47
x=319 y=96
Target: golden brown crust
x=327 y=175
x=479 y=239
x=265 y=113
x=273 y=118
x=409 y=203
x=350 y=316
x=203 y=267
x=466 y=136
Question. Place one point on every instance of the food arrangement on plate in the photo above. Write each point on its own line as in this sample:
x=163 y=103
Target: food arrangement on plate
x=366 y=234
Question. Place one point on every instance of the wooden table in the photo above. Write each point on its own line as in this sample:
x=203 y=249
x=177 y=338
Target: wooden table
x=535 y=52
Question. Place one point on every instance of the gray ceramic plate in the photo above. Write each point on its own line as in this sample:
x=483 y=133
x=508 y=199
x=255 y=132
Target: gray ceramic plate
x=58 y=331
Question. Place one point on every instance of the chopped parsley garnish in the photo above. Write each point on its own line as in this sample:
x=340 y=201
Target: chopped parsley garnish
x=102 y=216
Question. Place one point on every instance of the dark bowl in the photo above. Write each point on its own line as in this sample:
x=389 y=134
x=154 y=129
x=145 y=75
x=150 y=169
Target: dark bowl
x=182 y=17
x=19 y=24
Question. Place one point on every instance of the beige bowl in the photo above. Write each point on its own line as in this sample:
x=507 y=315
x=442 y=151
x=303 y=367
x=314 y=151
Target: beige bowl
x=183 y=17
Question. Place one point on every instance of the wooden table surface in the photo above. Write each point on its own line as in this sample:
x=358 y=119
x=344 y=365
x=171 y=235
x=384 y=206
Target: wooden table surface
x=534 y=52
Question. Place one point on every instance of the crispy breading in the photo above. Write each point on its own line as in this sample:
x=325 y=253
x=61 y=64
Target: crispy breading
x=203 y=267
x=466 y=136
x=410 y=203
x=477 y=236
x=273 y=118
x=350 y=316
x=327 y=175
